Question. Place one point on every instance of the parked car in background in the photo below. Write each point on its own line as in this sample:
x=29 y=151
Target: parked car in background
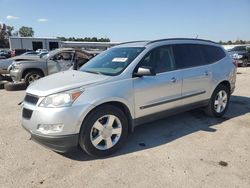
x=17 y=52
x=42 y=50
x=5 y=64
x=31 y=53
x=4 y=54
x=241 y=54
x=127 y=85
x=29 y=70
x=34 y=53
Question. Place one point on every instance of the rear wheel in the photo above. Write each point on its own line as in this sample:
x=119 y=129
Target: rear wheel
x=219 y=101
x=32 y=76
x=103 y=131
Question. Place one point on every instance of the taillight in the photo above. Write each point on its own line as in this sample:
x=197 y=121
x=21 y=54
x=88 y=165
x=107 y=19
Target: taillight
x=235 y=63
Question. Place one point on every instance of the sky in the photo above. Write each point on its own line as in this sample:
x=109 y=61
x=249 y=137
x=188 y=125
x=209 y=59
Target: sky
x=126 y=20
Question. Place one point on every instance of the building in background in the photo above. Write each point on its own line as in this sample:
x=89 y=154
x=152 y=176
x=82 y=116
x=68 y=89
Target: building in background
x=32 y=43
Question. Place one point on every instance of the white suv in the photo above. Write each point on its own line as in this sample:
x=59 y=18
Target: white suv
x=127 y=85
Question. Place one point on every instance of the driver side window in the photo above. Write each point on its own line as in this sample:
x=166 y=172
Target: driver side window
x=161 y=59
x=64 y=56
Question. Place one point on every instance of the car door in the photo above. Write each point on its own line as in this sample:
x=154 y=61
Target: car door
x=161 y=92
x=196 y=73
x=60 y=62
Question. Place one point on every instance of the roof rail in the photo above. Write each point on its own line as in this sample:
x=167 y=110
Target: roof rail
x=134 y=41
x=150 y=42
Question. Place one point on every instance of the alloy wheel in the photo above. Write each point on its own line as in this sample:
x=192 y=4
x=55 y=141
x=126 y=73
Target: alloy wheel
x=106 y=132
x=220 y=102
x=33 y=78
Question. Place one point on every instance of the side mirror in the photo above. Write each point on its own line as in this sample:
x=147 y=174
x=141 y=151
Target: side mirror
x=145 y=71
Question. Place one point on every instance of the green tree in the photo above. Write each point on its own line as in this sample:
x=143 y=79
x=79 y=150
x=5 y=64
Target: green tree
x=9 y=30
x=86 y=39
x=4 y=43
x=26 y=31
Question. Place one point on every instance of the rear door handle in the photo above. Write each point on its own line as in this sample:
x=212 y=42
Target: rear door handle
x=206 y=73
x=173 y=79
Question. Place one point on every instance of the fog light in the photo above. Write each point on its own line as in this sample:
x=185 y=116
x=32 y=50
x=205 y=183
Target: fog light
x=50 y=128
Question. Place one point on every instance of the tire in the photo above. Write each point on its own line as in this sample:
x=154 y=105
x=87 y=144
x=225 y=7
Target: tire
x=32 y=76
x=10 y=86
x=244 y=63
x=212 y=109
x=89 y=133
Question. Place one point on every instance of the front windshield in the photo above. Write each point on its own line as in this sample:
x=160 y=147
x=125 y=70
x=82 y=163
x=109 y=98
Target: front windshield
x=113 y=61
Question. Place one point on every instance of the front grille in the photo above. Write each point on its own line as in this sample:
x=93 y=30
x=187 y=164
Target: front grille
x=31 y=99
x=27 y=113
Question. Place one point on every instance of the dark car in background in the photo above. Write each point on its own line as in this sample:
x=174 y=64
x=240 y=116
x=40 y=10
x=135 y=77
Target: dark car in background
x=4 y=54
x=241 y=54
x=17 y=52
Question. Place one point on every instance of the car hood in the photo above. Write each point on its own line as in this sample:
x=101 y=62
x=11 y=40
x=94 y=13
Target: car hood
x=64 y=81
x=5 y=63
x=20 y=57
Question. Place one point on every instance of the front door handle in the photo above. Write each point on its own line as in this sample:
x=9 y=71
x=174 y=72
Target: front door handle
x=206 y=73
x=173 y=79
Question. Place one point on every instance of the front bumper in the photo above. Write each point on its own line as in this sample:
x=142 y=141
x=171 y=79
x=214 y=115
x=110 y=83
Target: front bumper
x=239 y=61
x=61 y=143
x=16 y=75
x=70 y=117
x=4 y=71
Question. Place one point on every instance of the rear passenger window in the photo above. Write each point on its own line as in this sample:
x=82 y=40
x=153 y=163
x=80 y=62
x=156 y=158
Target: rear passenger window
x=188 y=55
x=212 y=53
x=161 y=59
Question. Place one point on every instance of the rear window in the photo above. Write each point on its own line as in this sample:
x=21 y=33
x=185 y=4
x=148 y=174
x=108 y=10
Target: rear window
x=212 y=53
x=188 y=55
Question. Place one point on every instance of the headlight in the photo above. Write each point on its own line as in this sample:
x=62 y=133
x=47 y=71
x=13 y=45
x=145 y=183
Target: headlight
x=16 y=65
x=237 y=56
x=64 y=99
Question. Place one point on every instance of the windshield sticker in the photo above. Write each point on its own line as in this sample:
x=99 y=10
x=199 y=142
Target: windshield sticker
x=120 y=59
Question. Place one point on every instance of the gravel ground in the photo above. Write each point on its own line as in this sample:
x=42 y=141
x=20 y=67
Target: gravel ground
x=186 y=150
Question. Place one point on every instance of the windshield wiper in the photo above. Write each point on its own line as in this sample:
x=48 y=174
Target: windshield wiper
x=94 y=72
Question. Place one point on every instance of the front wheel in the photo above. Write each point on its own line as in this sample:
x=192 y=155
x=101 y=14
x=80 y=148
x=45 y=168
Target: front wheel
x=244 y=63
x=104 y=130
x=32 y=76
x=219 y=101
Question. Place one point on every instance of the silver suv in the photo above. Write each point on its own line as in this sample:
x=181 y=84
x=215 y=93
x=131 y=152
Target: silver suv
x=127 y=85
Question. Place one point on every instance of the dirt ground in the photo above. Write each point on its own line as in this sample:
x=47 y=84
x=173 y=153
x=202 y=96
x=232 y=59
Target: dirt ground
x=186 y=150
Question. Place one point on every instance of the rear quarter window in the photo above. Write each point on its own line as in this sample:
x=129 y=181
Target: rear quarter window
x=212 y=53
